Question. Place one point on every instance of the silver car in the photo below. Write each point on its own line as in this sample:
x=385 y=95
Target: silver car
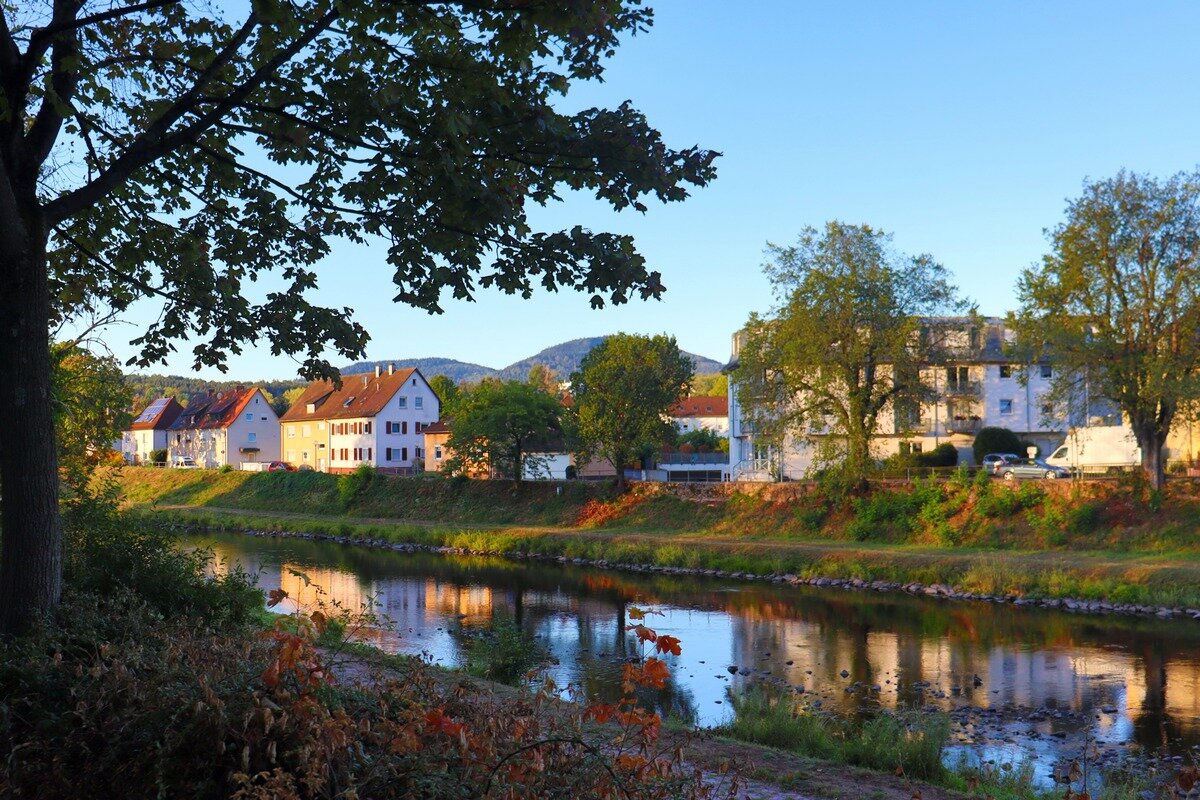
x=1031 y=468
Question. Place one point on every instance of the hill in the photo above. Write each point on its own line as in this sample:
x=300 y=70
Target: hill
x=563 y=358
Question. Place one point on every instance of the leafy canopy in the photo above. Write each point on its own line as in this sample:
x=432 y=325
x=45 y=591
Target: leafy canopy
x=1117 y=301
x=848 y=340
x=181 y=151
x=623 y=391
x=91 y=402
x=498 y=424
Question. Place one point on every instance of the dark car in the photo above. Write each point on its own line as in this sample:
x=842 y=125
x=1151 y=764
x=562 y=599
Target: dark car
x=992 y=462
x=1031 y=468
x=280 y=466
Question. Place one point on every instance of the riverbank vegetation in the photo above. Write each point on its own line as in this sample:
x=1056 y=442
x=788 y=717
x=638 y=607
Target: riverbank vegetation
x=1112 y=541
x=156 y=677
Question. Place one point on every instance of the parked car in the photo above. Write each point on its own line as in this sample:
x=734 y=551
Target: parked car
x=280 y=466
x=1032 y=468
x=993 y=461
x=186 y=462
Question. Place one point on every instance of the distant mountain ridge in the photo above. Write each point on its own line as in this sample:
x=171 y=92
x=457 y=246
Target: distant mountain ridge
x=563 y=358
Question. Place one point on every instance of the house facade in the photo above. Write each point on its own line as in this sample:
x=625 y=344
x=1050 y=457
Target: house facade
x=702 y=413
x=149 y=430
x=231 y=428
x=377 y=419
x=976 y=385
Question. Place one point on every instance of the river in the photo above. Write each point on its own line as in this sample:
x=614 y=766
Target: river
x=1021 y=684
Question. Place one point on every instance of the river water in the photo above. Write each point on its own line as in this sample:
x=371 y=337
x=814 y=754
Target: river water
x=1021 y=684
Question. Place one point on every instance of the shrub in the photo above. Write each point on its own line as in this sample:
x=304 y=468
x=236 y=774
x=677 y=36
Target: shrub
x=996 y=440
x=352 y=485
x=944 y=455
x=503 y=653
x=105 y=553
x=158 y=456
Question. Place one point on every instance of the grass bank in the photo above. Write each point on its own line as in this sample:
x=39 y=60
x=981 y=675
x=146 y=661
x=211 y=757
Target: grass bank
x=1102 y=542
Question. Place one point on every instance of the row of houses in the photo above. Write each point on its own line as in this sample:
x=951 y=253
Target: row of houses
x=389 y=419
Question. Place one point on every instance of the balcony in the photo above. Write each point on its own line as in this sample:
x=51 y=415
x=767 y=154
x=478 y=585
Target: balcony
x=964 y=425
x=963 y=389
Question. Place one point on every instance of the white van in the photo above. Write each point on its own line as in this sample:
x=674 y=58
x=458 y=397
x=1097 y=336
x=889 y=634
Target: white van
x=1098 y=449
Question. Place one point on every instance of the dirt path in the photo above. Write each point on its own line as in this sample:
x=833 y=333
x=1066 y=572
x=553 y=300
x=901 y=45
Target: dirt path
x=766 y=773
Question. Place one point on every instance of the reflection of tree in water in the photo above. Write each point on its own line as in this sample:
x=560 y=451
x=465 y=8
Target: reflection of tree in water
x=841 y=628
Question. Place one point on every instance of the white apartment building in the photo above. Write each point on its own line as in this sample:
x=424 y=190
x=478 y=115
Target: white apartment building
x=976 y=387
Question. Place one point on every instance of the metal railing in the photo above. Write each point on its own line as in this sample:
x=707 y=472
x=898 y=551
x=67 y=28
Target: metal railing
x=963 y=389
x=675 y=458
x=971 y=426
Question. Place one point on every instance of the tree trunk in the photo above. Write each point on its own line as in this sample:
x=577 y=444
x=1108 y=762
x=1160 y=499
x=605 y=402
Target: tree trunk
x=31 y=551
x=1151 y=443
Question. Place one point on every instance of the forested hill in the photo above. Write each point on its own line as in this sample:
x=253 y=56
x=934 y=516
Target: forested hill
x=563 y=358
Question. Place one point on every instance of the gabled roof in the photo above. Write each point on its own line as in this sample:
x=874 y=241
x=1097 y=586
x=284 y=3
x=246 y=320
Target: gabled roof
x=441 y=426
x=711 y=406
x=361 y=395
x=216 y=411
x=158 y=415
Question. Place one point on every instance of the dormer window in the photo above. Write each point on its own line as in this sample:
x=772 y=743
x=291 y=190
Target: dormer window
x=348 y=401
x=311 y=408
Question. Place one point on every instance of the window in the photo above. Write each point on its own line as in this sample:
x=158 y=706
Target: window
x=1006 y=406
x=249 y=416
x=368 y=427
x=346 y=403
x=419 y=402
x=320 y=426
x=437 y=453
x=1047 y=371
x=291 y=433
x=252 y=437
x=404 y=402
x=307 y=430
x=291 y=455
x=1005 y=372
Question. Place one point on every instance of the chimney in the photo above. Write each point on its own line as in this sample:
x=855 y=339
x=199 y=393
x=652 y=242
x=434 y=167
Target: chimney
x=376 y=370
x=367 y=378
x=391 y=369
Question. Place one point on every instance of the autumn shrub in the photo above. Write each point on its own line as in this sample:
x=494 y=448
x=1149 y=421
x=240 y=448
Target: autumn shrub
x=109 y=698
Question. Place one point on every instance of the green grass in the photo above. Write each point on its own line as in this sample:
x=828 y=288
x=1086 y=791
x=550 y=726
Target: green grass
x=912 y=744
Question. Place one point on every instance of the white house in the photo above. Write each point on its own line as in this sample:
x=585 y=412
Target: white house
x=149 y=431
x=374 y=418
x=230 y=428
x=702 y=413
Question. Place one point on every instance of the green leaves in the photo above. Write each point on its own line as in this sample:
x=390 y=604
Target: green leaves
x=623 y=391
x=427 y=128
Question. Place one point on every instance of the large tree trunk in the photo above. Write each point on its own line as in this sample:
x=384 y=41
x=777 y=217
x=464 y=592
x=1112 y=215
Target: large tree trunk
x=31 y=550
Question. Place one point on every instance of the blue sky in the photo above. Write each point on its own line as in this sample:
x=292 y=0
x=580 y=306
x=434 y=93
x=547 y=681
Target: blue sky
x=960 y=127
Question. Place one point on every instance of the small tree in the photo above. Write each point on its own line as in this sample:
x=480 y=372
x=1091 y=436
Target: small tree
x=499 y=424
x=542 y=377
x=624 y=389
x=1118 y=301
x=91 y=409
x=847 y=341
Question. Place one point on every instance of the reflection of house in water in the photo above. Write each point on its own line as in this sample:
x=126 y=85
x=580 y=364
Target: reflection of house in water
x=1161 y=695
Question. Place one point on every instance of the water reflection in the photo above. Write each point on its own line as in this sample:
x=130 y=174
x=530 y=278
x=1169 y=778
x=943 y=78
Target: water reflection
x=1017 y=680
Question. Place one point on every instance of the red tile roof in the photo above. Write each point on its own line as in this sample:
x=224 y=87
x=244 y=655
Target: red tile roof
x=216 y=411
x=441 y=426
x=158 y=415
x=715 y=406
x=361 y=395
